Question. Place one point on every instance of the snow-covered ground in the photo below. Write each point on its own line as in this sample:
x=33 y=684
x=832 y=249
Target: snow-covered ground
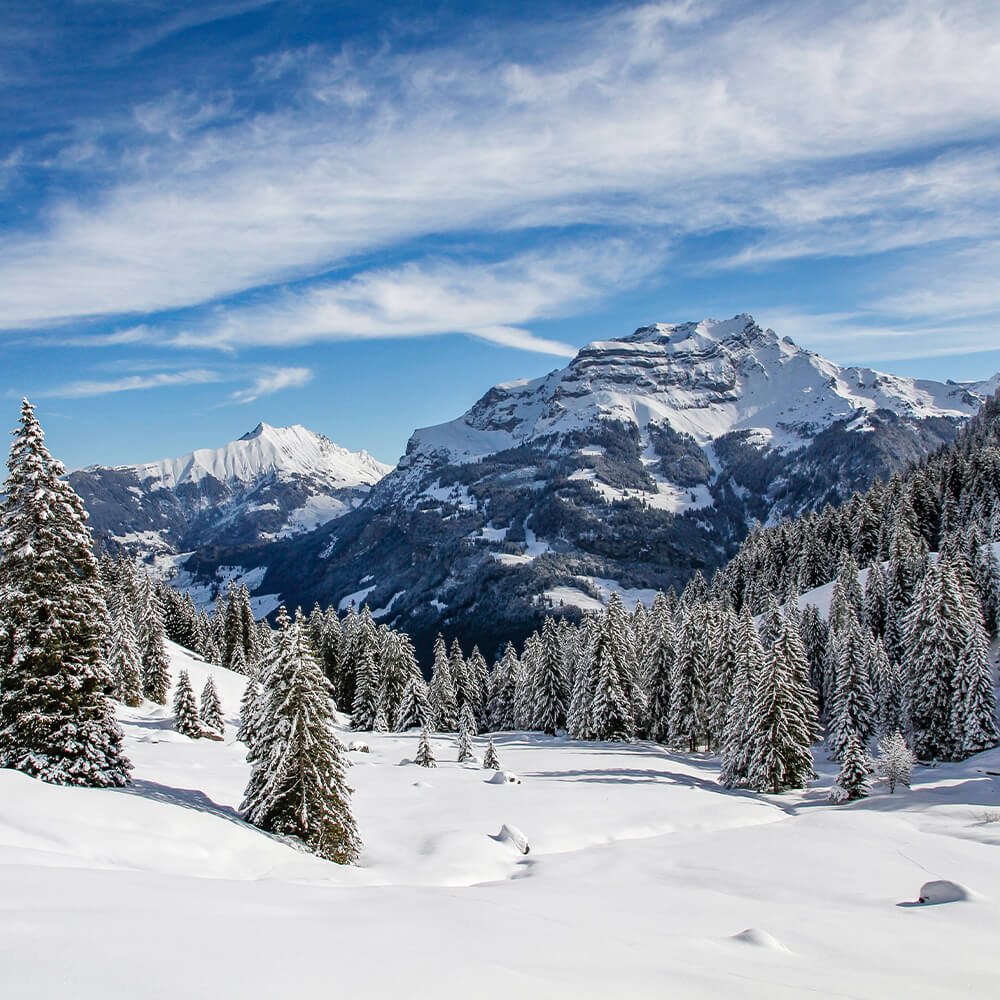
x=644 y=879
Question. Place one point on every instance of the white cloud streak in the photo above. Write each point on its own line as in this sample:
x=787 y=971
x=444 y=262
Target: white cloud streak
x=129 y=383
x=275 y=381
x=626 y=122
x=490 y=301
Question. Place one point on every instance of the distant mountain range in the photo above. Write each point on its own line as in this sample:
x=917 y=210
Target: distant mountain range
x=644 y=459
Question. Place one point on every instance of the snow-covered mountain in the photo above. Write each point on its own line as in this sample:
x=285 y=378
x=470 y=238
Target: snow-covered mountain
x=642 y=460
x=272 y=483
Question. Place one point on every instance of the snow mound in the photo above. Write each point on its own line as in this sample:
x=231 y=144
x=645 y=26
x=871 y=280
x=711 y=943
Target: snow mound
x=503 y=778
x=759 y=939
x=944 y=891
x=512 y=835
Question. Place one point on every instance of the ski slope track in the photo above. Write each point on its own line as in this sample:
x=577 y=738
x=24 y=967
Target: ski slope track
x=644 y=879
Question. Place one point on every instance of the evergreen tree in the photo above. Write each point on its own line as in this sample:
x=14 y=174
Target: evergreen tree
x=660 y=669
x=779 y=734
x=611 y=712
x=853 y=704
x=465 y=737
x=503 y=689
x=689 y=697
x=852 y=782
x=155 y=665
x=888 y=682
x=367 y=679
x=974 y=707
x=479 y=687
x=895 y=760
x=491 y=761
x=441 y=692
x=551 y=697
x=425 y=757
x=56 y=722
x=297 y=785
x=737 y=745
x=186 y=708
x=250 y=708
x=211 y=709
x=237 y=662
x=124 y=661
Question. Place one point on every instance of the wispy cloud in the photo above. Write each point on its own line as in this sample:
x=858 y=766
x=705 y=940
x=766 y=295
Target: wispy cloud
x=129 y=383
x=665 y=115
x=275 y=381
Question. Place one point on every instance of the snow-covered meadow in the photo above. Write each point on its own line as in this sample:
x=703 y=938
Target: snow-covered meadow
x=644 y=879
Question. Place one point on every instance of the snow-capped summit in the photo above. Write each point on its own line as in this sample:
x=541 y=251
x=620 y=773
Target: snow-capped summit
x=273 y=482
x=268 y=451
x=705 y=380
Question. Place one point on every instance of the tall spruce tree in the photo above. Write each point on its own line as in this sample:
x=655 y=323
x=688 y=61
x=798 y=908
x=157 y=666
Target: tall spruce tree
x=551 y=697
x=250 y=706
x=441 y=691
x=737 y=743
x=152 y=640
x=297 y=786
x=56 y=722
x=660 y=667
x=124 y=660
x=186 y=708
x=367 y=673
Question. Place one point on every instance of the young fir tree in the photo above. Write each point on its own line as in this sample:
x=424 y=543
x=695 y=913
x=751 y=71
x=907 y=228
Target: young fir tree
x=425 y=756
x=124 y=660
x=237 y=662
x=186 y=708
x=895 y=761
x=250 y=706
x=852 y=782
x=414 y=707
x=689 y=695
x=297 y=785
x=778 y=729
x=465 y=736
x=441 y=692
x=491 y=761
x=211 y=708
x=56 y=722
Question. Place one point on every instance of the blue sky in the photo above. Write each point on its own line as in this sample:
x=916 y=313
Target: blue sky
x=360 y=215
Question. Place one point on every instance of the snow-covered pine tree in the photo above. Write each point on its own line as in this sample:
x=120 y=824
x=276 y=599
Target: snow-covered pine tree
x=936 y=630
x=815 y=635
x=722 y=641
x=425 y=756
x=853 y=780
x=888 y=682
x=479 y=682
x=465 y=735
x=611 y=712
x=467 y=719
x=56 y=722
x=396 y=655
x=689 y=698
x=460 y=676
x=895 y=760
x=551 y=700
x=876 y=601
x=524 y=696
x=441 y=691
x=491 y=761
x=297 y=785
x=186 y=708
x=237 y=662
x=579 y=719
x=503 y=689
x=663 y=652
x=152 y=642
x=124 y=660
x=367 y=677
x=211 y=708
x=974 y=706
x=778 y=731
x=414 y=708
x=853 y=705
x=250 y=706
x=737 y=744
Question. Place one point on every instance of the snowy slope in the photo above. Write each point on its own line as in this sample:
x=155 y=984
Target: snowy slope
x=643 y=877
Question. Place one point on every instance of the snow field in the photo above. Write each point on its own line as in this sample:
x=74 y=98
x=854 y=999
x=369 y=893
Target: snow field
x=645 y=879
